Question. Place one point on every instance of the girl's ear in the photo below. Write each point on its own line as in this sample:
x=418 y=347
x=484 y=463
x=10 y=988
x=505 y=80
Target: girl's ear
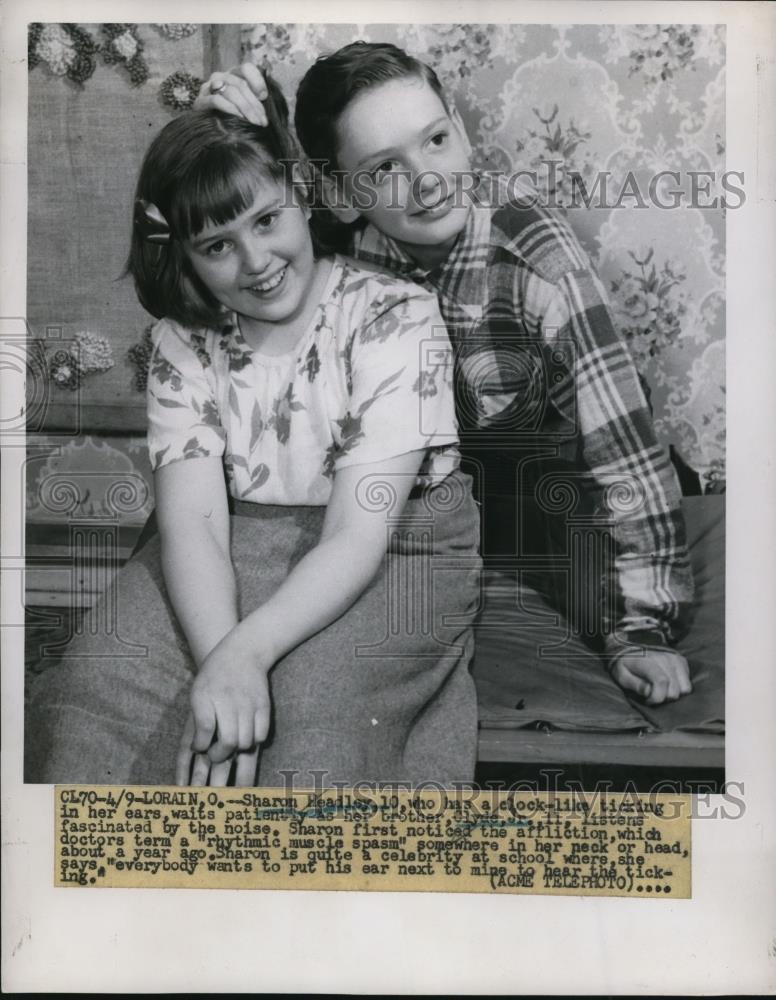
x=458 y=122
x=335 y=199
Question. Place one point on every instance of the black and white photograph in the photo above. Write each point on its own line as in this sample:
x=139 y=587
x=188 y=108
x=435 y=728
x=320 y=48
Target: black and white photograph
x=231 y=587
x=377 y=409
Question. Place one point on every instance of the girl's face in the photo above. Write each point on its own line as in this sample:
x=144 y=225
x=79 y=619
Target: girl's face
x=261 y=263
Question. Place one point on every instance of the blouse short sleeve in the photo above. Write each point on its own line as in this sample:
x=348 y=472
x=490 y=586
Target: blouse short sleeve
x=400 y=379
x=183 y=419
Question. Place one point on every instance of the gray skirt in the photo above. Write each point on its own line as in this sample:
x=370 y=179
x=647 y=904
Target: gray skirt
x=383 y=694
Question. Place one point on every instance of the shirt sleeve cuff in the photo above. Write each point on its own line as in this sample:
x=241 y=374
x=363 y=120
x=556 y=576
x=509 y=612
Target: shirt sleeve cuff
x=619 y=642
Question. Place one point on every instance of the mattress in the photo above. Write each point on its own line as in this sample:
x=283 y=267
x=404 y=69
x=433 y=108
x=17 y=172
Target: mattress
x=518 y=688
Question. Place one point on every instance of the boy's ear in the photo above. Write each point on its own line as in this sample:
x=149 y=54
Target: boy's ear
x=299 y=175
x=456 y=119
x=335 y=199
x=303 y=181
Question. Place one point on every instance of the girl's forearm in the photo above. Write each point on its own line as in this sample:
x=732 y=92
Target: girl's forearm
x=320 y=588
x=201 y=585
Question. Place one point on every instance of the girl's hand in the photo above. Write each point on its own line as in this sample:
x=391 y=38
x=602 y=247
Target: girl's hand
x=230 y=709
x=240 y=91
x=198 y=770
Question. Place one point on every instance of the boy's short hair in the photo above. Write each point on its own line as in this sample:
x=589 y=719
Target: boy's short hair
x=203 y=167
x=333 y=81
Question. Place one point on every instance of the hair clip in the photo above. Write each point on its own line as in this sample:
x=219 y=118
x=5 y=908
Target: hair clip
x=153 y=226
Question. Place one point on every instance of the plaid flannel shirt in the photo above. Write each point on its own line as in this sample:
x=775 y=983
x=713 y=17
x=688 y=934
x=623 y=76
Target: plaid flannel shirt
x=539 y=360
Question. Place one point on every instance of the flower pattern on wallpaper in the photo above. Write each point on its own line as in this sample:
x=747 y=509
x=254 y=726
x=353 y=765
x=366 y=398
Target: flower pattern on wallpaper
x=693 y=411
x=649 y=304
x=700 y=138
x=559 y=148
x=558 y=116
x=460 y=53
x=577 y=99
x=665 y=49
x=663 y=274
x=660 y=57
x=276 y=45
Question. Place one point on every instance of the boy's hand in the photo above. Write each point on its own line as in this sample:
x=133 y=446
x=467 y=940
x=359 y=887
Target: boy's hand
x=240 y=91
x=230 y=709
x=657 y=676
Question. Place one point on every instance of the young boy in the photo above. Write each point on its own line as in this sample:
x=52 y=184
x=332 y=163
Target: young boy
x=549 y=400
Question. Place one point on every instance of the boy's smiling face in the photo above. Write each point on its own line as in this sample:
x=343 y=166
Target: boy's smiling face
x=406 y=164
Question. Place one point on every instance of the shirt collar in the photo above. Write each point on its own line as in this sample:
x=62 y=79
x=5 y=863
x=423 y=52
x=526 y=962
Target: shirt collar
x=462 y=277
x=371 y=244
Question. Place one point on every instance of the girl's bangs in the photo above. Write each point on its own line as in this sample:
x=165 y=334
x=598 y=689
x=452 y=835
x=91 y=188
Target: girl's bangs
x=222 y=184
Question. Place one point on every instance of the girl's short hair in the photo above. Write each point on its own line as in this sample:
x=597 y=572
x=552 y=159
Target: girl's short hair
x=332 y=82
x=203 y=167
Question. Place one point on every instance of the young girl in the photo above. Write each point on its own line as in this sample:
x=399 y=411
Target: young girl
x=294 y=606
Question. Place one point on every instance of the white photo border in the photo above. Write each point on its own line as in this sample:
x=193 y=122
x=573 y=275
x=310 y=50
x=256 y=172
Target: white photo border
x=723 y=940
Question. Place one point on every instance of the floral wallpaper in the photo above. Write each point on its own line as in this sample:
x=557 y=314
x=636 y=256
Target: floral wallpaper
x=568 y=102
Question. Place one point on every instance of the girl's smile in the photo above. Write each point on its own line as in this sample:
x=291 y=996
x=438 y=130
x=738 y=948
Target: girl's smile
x=271 y=284
x=261 y=266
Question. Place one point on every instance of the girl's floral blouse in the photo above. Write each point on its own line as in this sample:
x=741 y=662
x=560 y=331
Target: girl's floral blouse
x=372 y=378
